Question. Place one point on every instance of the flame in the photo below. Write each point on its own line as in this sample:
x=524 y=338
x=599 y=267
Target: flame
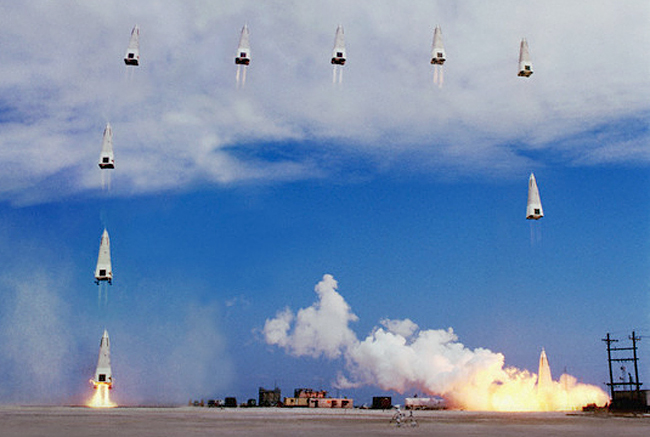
x=101 y=398
x=518 y=390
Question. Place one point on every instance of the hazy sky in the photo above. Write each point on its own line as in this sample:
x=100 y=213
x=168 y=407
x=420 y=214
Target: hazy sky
x=228 y=206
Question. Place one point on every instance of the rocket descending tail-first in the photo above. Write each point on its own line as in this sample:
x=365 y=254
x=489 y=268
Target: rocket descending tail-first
x=437 y=49
x=132 y=56
x=104 y=270
x=525 y=66
x=338 y=53
x=534 y=209
x=244 y=48
x=103 y=373
x=106 y=159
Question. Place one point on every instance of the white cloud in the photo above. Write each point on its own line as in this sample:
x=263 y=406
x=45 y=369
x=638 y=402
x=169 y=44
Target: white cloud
x=179 y=119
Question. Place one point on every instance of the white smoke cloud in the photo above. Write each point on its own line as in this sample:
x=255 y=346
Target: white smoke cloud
x=401 y=357
x=35 y=338
x=405 y=327
x=321 y=329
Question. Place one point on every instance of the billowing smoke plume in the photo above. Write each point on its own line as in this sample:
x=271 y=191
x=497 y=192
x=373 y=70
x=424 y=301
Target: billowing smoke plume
x=399 y=356
x=319 y=329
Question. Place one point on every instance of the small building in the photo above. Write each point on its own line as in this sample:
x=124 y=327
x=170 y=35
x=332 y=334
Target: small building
x=296 y=402
x=382 y=403
x=230 y=402
x=307 y=397
x=269 y=398
x=330 y=403
x=631 y=400
x=309 y=393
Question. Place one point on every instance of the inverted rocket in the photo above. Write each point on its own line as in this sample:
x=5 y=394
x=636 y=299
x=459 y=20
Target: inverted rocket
x=244 y=48
x=437 y=49
x=338 y=53
x=132 y=56
x=525 y=66
x=534 y=209
x=103 y=373
x=106 y=159
x=104 y=270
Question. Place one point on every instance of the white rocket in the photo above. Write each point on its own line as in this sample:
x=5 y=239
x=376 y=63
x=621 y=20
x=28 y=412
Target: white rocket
x=338 y=53
x=437 y=49
x=544 y=379
x=106 y=159
x=244 y=48
x=104 y=271
x=103 y=373
x=132 y=56
x=525 y=66
x=534 y=207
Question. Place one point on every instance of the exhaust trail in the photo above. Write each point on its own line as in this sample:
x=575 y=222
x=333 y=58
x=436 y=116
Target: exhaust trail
x=398 y=355
x=535 y=233
x=337 y=74
x=438 y=75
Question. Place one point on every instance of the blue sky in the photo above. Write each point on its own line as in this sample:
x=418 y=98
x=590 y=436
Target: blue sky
x=228 y=206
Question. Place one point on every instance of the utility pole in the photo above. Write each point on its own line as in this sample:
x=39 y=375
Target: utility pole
x=635 y=401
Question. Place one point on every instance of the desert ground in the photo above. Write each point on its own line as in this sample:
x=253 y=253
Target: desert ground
x=191 y=421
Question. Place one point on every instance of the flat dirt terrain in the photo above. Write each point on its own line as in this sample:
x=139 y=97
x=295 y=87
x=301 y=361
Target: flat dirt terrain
x=191 y=421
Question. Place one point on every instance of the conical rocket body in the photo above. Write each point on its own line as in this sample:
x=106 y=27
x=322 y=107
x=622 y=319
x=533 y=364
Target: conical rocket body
x=438 y=55
x=244 y=48
x=104 y=270
x=534 y=207
x=338 y=53
x=525 y=66
x=103 y=373
x=132 y=56
x=106 y=159
x=544 y=379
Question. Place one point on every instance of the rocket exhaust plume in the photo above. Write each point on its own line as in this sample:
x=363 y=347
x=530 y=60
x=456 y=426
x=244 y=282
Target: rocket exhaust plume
x=103 y=380
x=240 y=77
x=438 y=75
x=398 y=355
x=337 y=74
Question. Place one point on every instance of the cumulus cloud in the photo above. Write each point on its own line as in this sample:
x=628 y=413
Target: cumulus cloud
x=400 y=356
x=179 y=119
